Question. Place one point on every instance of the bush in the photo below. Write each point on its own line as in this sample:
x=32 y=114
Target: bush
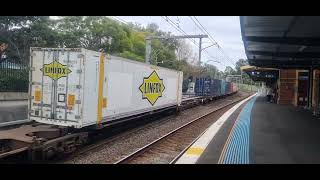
x=130 y=55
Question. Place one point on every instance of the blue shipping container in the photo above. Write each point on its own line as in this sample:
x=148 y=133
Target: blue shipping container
x=216 y=87
x=202 y=86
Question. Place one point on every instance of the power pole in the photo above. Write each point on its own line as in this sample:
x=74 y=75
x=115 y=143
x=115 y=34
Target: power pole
x=148 y=50
x=200 y=43
x=149 y=38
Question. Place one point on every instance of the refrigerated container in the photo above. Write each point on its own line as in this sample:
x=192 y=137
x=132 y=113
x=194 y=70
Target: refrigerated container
x=77 y=87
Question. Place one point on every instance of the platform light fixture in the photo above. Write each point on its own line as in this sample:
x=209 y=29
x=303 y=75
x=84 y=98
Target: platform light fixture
x=302 y=48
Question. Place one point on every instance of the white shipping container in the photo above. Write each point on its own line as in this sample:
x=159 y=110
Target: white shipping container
x=79 y=87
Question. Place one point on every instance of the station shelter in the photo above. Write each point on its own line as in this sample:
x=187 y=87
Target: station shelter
x=291 y=45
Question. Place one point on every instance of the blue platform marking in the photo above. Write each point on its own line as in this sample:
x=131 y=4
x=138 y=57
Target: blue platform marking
x=237 y=149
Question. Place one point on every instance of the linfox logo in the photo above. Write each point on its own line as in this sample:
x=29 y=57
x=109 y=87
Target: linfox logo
x=152 y=88
x=55 y=70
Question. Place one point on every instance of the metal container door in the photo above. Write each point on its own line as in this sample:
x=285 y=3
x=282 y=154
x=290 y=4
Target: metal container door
x=56 y=84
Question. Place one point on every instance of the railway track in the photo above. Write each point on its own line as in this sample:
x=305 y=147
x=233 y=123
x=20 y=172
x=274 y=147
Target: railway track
x=169 y=147
x=83 y=154
x=115 y=137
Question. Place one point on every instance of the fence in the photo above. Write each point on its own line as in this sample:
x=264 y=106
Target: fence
x=248 y=87
x=14 y=76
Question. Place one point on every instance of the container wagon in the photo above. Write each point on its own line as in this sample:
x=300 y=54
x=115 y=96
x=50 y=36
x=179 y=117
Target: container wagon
x=75 y=87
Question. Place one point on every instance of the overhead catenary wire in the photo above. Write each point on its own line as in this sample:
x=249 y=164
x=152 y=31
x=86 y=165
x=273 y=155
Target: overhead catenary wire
x=119 y=19
x=182 y=31
x=169 y=21
x=203 y=29
x=176 y=27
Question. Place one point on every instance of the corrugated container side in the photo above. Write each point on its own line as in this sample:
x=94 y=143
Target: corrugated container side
x=207 y=87
x=223 y=87
x=197 y=87
x=202 y=86
x=232 y=87
x=216 y=87
x=227 y=87
x=132 y=88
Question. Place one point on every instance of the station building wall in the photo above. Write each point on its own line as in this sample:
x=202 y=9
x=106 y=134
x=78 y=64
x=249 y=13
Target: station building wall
x=288 y=88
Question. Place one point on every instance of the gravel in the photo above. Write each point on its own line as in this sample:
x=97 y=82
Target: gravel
x=129 y=141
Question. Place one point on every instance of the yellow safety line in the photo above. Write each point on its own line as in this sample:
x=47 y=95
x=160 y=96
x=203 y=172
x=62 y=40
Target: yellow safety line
x=100 y=90
x=195 y=151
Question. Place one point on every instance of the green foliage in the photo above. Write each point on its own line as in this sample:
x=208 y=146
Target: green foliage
x=239 y=63
x=23 y=32
x=93 y=32
x=211 y=71
x=131 y=55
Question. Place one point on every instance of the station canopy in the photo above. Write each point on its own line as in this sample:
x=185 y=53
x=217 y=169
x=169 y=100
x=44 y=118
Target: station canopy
x=282 y=41
x=261 y=74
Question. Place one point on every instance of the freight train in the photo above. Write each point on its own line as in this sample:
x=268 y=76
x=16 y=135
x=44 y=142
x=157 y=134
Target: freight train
x=75 y=91
x=80 y=88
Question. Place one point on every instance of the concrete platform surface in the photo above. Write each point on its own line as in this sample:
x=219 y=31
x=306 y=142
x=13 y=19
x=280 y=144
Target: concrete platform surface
x=258 y=132
x=283 y=134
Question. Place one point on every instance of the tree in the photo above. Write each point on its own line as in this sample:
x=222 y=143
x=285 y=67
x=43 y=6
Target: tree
x=9 y=22
x=239 y=63
x=23 y=32
x=153 y=28
x=93 y=32
x=229 y=71
x=184 y=51
x=211 y=71
x=245 y=77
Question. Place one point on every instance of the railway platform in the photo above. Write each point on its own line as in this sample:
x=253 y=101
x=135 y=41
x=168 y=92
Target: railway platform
x=258 y=132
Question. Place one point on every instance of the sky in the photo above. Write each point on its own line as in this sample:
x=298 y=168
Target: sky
x=225 y=30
